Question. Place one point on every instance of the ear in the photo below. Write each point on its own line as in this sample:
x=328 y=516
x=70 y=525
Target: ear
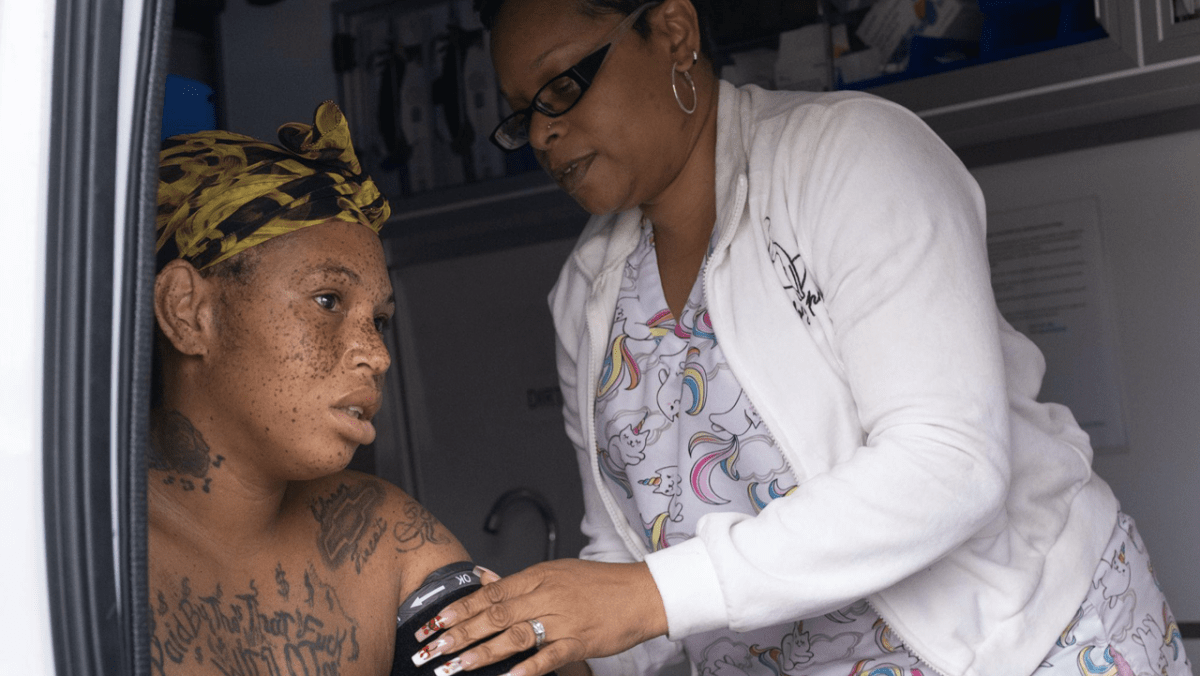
x=677 y=19
x=183 y=306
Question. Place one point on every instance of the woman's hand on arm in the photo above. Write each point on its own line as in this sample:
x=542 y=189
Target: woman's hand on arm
x=588 y=609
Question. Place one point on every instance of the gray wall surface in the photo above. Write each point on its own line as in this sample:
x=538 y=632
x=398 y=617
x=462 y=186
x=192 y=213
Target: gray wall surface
x=1148 y=193
x=276 y=64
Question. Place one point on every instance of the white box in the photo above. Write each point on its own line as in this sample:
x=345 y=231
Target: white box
x=887 y=24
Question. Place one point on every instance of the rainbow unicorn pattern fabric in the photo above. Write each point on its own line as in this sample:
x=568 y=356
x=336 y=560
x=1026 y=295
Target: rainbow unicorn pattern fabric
x=678 y=439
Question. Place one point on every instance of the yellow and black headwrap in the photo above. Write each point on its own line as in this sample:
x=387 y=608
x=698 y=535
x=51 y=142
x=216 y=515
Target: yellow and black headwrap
x=221 y=193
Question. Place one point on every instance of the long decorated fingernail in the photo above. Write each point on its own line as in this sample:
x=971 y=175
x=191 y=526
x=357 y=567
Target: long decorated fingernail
x=431 y=627
x=450 y=668
x=431 y=651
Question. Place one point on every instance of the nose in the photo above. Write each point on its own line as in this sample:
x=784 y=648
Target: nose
x=368 y=350
x=544 y=130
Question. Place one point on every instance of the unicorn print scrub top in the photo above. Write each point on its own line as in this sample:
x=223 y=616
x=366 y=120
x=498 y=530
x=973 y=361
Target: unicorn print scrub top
x=679 y=439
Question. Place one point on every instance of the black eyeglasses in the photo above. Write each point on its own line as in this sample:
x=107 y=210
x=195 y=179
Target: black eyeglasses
x=562 y=92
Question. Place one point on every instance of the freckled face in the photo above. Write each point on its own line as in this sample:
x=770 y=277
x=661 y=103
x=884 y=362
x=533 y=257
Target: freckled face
x=626 y=138
x=298 y=367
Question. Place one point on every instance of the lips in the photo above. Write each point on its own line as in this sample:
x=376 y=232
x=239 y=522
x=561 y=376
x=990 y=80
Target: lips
x=362 y=403
x=569 y=175
x=354 y=412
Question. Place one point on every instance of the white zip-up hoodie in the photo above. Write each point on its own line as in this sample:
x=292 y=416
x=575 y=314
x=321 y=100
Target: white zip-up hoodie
x=849 y=289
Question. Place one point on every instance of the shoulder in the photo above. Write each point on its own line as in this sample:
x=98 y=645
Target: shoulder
x=370 y=526
x=755 y=107
x=795 y=123
x=811 y=147
x=602 y=247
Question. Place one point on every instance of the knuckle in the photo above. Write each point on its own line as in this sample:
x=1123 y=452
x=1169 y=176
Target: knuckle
x=547 y=660
x=485 y=653
x=493 y=593
x=555 y=653
x=459 y=636
x=468 y=632
x=536 y=665
x=522 y=635
x=499 y=615
x=573 y=649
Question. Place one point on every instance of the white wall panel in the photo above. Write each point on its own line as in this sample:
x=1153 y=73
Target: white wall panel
x=1148 y=193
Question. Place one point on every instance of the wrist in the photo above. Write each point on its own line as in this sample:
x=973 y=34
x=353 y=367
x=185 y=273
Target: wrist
x=654 y=611
x=688 y=589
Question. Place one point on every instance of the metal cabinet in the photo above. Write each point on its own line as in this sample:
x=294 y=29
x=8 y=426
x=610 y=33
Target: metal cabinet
x=1147 y=65
x=1171 y=30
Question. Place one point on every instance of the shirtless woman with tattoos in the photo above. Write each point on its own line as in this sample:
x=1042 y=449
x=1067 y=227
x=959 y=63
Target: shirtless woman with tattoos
x=267 y=556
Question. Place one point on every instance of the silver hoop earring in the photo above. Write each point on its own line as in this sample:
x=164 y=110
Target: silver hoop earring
x=675 y=90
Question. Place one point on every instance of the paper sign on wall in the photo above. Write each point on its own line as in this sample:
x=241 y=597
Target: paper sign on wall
x=1047 y=274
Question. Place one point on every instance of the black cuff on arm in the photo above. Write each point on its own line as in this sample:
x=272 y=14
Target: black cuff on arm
x=441 y=588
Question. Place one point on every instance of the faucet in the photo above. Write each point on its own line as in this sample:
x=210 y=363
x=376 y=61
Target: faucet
x=492 y=523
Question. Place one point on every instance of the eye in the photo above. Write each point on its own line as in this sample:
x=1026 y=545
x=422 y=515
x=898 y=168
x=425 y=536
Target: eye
x=564 y=87
x=328 y=301
x=558 y=96
x=382 y=322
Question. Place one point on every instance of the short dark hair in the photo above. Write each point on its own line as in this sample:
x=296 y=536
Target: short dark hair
x=488 y=9
x=238 y=268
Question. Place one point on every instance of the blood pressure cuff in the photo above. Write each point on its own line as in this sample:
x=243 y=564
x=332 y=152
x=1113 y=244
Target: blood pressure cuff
x=443 y=586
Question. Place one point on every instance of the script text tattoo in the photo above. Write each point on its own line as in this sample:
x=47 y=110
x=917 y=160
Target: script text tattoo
x=238 y=636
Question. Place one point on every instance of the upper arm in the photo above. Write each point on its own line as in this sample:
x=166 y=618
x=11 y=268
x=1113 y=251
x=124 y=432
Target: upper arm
x=369 y=527
x=420 y=544
x=898 y=247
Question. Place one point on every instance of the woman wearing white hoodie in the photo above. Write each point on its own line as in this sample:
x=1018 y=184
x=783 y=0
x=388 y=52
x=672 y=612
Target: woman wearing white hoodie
x=809 y=442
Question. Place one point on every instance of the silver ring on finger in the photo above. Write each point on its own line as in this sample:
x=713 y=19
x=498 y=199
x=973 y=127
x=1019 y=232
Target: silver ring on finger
x=539 y=633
